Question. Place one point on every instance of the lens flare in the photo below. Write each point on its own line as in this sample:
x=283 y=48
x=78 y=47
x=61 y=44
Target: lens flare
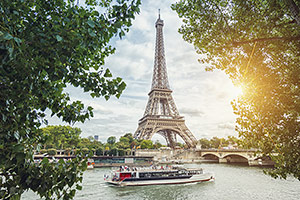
x=237 y=91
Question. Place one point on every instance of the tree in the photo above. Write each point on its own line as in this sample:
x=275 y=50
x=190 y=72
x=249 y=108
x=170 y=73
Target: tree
x=215 y=142
x=61 y=137
x=129 y=136
x=99 y=151
x=46 y=46
x=111 y=140
x=113 y=151
x=205 y=143
x=257 y=44
x=146 y=144
x=91 y=138
x=235 y=141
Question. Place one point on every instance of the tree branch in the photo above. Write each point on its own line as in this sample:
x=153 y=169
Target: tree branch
x=266 y=39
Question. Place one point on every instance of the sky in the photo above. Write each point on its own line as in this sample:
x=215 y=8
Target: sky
x=202 y=97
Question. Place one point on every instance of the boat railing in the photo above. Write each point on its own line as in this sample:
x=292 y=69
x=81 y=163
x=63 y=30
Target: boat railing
x=145 y=169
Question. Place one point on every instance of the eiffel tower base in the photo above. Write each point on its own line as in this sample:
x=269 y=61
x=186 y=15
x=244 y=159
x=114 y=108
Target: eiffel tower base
x=168 y=128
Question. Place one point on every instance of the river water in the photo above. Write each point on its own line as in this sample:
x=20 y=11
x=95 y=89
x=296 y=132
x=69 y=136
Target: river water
x=232 y=182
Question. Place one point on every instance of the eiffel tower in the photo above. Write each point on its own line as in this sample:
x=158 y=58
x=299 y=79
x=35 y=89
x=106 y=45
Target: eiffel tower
x=161 y=115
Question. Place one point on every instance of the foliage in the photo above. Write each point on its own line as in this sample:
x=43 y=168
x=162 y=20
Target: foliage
x=216 y=142
x=111 y=140
x=46 y=46
x=124 y=146
x=257 y=44
x=147 y=144
x=43 y=151
x=113 y=151
x=60 y=137
x=85 y=150
x=205 y=143
x=68 y=151
x=60 y=182
x=99 y=152
x=68 y=138
x=157 y=145
x=51 y=152
x=121 y=152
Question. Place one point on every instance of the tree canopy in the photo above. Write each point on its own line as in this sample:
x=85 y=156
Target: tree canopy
x=111 y=140
x=257 y=44
x=46 y=46
x=60 y=137
x=216 y=143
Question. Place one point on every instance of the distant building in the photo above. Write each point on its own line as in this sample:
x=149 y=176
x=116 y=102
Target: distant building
x=96 y=137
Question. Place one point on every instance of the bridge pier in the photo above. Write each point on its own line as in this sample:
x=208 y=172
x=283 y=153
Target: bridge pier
x=254 y=162
x=222 y=160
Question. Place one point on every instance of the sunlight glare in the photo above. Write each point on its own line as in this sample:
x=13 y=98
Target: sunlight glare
x=236 y=91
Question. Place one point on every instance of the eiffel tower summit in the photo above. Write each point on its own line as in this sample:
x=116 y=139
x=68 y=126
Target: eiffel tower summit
x=161 y=115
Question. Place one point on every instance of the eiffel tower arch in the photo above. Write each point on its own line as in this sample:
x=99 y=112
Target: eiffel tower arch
x=161 y=115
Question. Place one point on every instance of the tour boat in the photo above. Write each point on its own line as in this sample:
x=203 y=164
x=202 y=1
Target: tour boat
x=90 y=164
x=156 y=176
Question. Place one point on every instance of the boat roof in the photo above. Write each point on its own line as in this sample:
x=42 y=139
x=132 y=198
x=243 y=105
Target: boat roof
x=146 y=170
x=150 y=170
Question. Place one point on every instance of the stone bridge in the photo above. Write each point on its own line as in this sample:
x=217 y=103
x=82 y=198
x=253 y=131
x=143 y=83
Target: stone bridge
x=235 y=156
x=207 y=155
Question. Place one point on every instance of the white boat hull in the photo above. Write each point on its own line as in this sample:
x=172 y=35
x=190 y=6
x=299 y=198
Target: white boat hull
x=90 y=167
x=194 y=179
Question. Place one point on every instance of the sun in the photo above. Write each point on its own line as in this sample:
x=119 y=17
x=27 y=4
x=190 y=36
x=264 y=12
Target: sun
x=236 y=91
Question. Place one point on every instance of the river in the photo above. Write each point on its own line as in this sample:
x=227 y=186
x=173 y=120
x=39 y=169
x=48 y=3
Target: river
x=232 y=182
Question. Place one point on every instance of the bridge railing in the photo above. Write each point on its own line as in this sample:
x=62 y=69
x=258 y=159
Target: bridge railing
x=229 y=150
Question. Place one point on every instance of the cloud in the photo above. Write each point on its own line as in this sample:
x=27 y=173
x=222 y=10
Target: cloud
x=192 y=112
x=228 y=125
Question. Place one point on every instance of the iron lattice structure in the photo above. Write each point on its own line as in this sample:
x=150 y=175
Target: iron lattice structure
x=161 y=115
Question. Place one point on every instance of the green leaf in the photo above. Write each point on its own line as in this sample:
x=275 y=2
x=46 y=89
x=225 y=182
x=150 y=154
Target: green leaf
x=7 y=36
x=119 y=79
x=91 y=33
x=78 y=187
x=91 y=23
x=17 y=40
x=20 y=157
x=58 y=38
x=16 y=12
x=122 y=86
x=107 y=73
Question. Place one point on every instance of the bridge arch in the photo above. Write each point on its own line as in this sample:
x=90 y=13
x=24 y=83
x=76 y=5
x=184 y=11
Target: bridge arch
x=210 y=156
x=235 y=158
